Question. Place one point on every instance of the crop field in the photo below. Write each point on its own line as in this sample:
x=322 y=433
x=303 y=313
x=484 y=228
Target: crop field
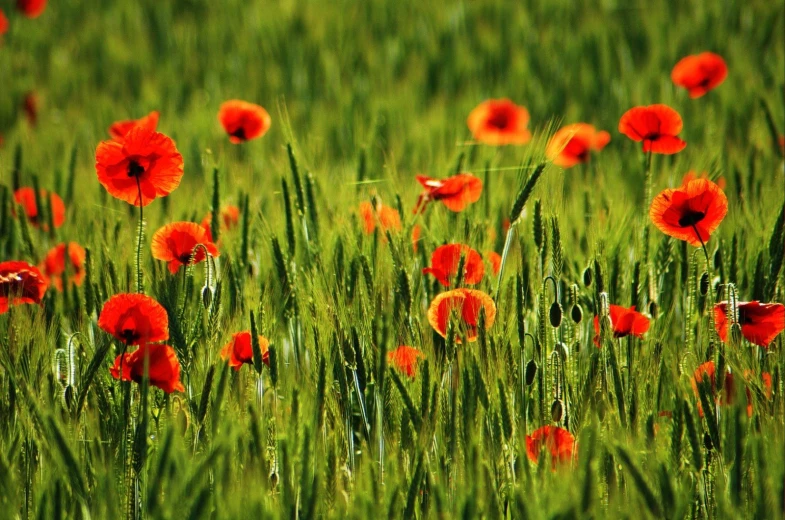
x=392 y=259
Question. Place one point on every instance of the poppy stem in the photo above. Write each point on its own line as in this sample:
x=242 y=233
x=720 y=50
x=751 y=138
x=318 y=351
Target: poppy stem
x=703 y=245
x=139 y=239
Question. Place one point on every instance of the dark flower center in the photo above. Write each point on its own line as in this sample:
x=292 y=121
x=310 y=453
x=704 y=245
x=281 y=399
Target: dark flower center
x=652 y=136
x=128 y=336
x=690 y=218
x=135 y=169
x=239 y=133
x=499 y=119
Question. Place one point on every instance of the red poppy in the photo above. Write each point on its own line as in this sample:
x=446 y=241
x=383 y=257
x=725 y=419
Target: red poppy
x=3 y=23
x=625 y=322
x=558 y=441
x=230 y=215
x=239 y=350
x=466 y=304
x=146 y=160
x=134 y=319
x=691 y=213
x=26 y=198
x=708 y=369
x=163 y=368
x=499 y=122
x=405 y=359
x=656 y=125
x=699 y=73
x=572 y=144
x=54 y=264
x=496 y=261
x=691 y=175
x=176 y=243
x=20 y=283
x=120 y=129
x=455 y=192
x=243 y=121
x=385 y=217
x=760 y=322
x=31 y=8
x=446 y=259
x=30 y=108
x=416 y=232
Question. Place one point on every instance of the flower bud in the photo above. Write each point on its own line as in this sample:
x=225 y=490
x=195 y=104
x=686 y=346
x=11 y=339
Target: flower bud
x=555 y=314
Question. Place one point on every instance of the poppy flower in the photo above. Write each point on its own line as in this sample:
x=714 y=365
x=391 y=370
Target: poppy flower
x=455 y=192
x=243 y=121
x=385 y=217
x=709 y=370
x=558 y=441
x=499 y=122
x=692 y=175
x=230 y=215
x=416 y=232
x=691 y=213
x=466 y=304
x=572 y=144
x=239 y=350
x=134 y=319
x=54 y=264
x=446 y=259
x=31 y=8
x=120 y=129
x=163 y=368
x=405 y=359
x=30 y=108
x=20 y=283
x=3 y=23
x=760 y=322
x=496 y=261
x=625 y=322
x=656 y=125
x=176 y=243
x=146 y=160
x=699 y=73
x=26 y=198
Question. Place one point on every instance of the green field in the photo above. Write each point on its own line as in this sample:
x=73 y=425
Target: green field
x=364 y=96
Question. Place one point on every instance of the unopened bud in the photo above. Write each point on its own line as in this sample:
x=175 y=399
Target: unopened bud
x=207 y=296
x=587 y=277
x=704 y=283
x=557 y=409
x=531 y=371
x=576 y=314
x=555 y=314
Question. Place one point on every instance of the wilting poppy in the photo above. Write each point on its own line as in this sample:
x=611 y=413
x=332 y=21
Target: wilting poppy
x=496 y=261
x=708 y=370
x=243 y=121
x=230 y=216
x=760 y=322
x=30 y=108
x=691 y=175
x=3 y=23
x=239 y=350
x=54 y=264
x=385 y=217
x=176 y=243
x=446 y=259
x=691 y=213
x=163 y=368
x=625 y=322
x=455 y=192
x=134 y=319
x=120 y=129
x=466 y=304
x=572 y=144
x=31 y=8
x=656 y=125
x=20 y=283
x=559 y=442
x=145 y=161
x=699 y=73
x=26 y=198
x=405 y=359
x=499 y=122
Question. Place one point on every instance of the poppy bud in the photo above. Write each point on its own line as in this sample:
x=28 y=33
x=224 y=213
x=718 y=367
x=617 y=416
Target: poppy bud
x=587 y=277
x=704 y=283
x=273 y=479
x=68 y=397
x=718 y=259
x=207 y=296
x=555 y=314
x=531 y=371
x=735 y=333
x=653 y=310
x=557 y=409
x=576 y=313
x=600 y=404
x=707 y=442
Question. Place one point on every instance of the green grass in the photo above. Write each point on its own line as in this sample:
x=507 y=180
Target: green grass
x=377 y=92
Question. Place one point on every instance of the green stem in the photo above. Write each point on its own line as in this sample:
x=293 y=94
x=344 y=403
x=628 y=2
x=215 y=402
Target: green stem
x=139 y=238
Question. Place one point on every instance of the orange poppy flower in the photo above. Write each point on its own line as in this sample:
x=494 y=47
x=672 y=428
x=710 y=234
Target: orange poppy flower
x=416 y=232
x=163 y=368
x=760 y=322
x=239 y=350
x=120 y=129
x=656 y=125
x=699 y=73
x=385 y=217
x=31 y=8
x=20 y=283
x=54 y=264
x=558 y=441
x=176 y=243
x=499 y=122
x=445 y=260
x=230 y=215
x=243 y=121
x=572 y=144
x=691 y=213
x=134 y=319
x=466 y=303
x=625 y=322
x=727 y=387
x=26 y=198
x=30 y=108
x=405 y=359
x=145 y=160
x=3 y=23
x=496 y=261
x=692 y=175
x=455 y=192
